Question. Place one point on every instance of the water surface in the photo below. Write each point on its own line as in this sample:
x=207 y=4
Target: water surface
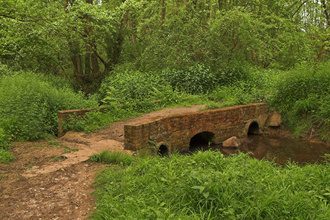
x=279 y=149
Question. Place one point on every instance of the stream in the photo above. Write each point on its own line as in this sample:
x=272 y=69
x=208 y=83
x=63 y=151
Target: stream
x=279 y=149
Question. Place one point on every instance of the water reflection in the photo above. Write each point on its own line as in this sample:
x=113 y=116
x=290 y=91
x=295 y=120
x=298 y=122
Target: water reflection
x=279 y=149
x=282 y=149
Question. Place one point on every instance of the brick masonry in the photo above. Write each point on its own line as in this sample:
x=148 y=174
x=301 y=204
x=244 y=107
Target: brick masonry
x=176 y=131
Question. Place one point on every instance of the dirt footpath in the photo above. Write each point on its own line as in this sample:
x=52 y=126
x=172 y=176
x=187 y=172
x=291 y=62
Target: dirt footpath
x=52 y=179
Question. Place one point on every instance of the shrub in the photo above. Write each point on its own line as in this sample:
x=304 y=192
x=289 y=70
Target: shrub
x=4 y=70
x=303 y=93
x=4 y=140
x=196 y=79
x=29 y=105
x=5 y=156
x=134 y=87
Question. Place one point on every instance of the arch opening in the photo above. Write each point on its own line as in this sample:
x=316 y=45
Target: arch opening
x=201 y=141
x=253 y=128
x=163 y=150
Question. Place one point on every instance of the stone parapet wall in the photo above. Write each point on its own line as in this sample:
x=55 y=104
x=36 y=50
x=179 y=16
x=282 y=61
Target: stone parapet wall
x=176 y=131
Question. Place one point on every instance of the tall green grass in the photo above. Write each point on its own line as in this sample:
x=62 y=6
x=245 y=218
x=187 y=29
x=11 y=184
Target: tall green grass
x=116 y=157
x=29 y=104
x=258 y=86
x=5 y=156
x=303 y=98
x=133 y=87
x=208 y=185
x=197 y=79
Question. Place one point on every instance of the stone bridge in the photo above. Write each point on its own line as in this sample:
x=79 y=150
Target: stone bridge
x=177 y=132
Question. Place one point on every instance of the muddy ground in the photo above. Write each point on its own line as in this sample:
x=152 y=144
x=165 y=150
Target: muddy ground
x=52 y=179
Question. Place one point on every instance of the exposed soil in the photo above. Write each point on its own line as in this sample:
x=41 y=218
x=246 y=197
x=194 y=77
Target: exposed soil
x=52 y=179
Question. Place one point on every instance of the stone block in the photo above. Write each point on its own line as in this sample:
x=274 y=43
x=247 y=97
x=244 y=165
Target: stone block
x=275 y=120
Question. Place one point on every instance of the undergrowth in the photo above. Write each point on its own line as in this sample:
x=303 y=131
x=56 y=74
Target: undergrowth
x=29 y=104
x=96 y=119
x=207 y=185
x=5 y=155
x=303 y=98
x=116 y=157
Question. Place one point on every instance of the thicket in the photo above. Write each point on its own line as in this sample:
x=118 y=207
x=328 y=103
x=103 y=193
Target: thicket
x=207 y=185
x=302 y=96
x=5 y=156
x=29 y=104
x=134 y=86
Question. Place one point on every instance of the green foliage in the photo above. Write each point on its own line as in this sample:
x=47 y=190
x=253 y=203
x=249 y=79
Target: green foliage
x=301 y=93
x=5 y=156
x=116 y=157
x=232 y=95
x=69 y=150
x=208 y=185
x=4 y=139
x=134 y=87
x=54 y=143
x=96 y=119
x=88 y=39
x=29 y=105
x=197 y=79
x=258 y=85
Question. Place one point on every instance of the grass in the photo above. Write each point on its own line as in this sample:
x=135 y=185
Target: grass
x=54 y=143
x=69 y=150
x=207 y=185
x=58 y=158
x=5 y=156
x=31 y=164
x=116 y=157
x=29 y=104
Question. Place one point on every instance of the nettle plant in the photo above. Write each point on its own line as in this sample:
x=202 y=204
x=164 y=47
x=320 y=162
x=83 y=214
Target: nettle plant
x=197 y=79
x=29 y=105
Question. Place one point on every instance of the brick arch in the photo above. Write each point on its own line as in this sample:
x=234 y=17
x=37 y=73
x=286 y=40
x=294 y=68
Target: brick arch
x=163 y=149
x=177 y=130
x=195 y=132
x=203 y=136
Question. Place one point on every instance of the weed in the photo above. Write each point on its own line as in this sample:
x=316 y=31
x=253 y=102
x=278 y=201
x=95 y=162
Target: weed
x=5 y=156
x=59 y=158
x=212 y=106
x=197 y=79
x=115 y=157
x=132 y=87
x=207 y=185
x=54 y=143
x=29 y=104
x=69 y=150
x=4 y=139
x=302 y=97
